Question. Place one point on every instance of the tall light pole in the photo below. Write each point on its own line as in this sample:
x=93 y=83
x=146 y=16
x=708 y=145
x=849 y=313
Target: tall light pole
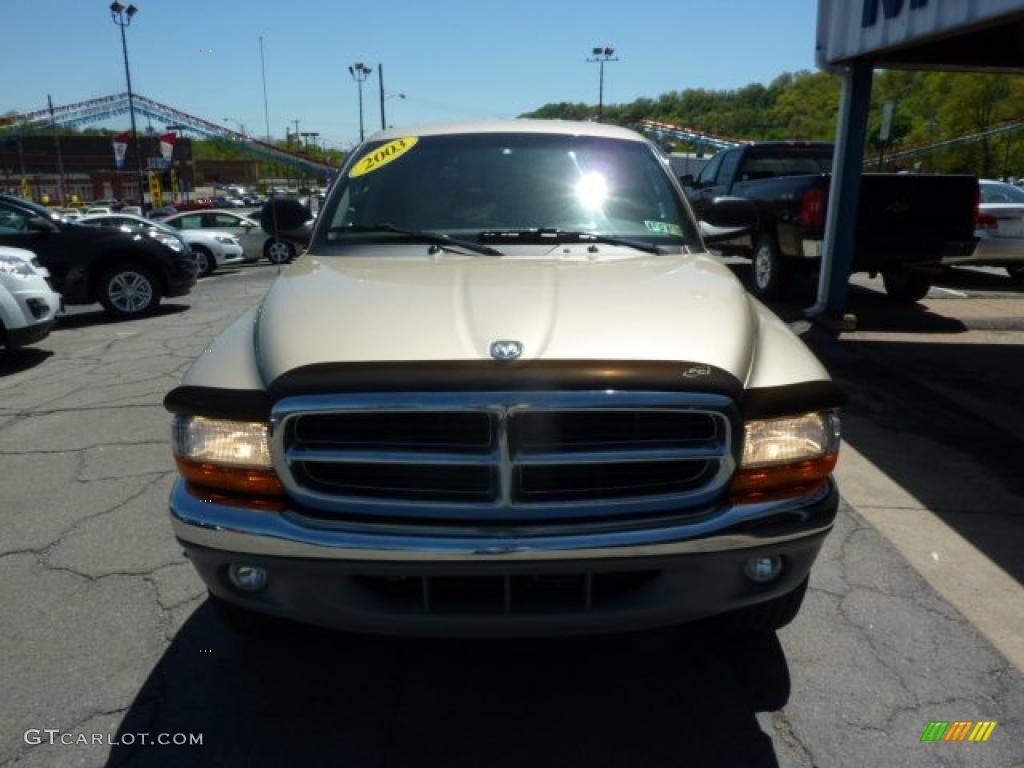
x=600 y=56
x=122 y=16
x=360 y=72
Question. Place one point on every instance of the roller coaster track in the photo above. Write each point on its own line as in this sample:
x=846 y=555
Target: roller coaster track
x=98 y=110
x=662 y=130
x=910 y=153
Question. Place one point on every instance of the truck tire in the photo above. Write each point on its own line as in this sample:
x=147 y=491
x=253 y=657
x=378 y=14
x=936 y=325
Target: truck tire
x=206 y=264
x=1016 y=273
x=769 y=616
x=128 y=290
x=906 y=286
x=767 y=269
x=278 y=251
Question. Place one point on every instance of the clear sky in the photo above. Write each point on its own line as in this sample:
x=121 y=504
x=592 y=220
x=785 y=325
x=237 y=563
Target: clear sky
x=454 y=59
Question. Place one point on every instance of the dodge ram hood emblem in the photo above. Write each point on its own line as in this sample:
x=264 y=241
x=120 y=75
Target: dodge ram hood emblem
x=504 y=349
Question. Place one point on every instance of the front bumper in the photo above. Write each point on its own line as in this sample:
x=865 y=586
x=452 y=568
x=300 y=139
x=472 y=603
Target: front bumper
x=432 y=580
x=28 y=310
x=229 y=254
x=180 y=277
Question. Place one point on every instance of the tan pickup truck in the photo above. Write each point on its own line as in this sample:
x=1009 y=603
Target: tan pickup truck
x=505 y=390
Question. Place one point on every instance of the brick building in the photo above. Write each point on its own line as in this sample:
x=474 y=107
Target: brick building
x=89 y=172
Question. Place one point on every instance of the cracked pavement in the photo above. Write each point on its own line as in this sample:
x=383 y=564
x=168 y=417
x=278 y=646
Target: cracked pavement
x=105 y=627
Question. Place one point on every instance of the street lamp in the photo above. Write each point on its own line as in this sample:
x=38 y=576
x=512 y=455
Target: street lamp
x=600 y=56
x=122 y=16
x=360 y=72
x=388 y=97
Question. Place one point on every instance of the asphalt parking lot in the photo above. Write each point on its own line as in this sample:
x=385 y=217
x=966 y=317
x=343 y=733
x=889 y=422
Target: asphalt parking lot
x=106 y=629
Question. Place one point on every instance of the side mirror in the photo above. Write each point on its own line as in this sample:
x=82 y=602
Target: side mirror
x=687 y=180
x=288 y=219
x=728 y=218
x=42 y=224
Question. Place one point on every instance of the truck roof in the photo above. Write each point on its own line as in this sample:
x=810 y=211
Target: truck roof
x=562 y=127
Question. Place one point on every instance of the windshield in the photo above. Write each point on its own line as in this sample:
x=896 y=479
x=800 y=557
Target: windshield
x=471 y=186
x=1001 y=193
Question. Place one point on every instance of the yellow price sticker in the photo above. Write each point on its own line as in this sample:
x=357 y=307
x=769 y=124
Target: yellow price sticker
x=382 y=155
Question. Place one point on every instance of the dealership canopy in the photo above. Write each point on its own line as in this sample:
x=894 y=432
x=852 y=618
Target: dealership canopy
x=856 y=36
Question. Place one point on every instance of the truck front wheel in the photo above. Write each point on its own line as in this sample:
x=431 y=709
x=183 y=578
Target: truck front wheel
x=906 y=286
x=768 y=270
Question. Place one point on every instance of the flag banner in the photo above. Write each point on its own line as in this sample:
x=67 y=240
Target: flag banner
x=167 y=142
x=120 y=149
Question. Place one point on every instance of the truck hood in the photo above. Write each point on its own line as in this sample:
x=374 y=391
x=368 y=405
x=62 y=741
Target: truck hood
x=679 y=307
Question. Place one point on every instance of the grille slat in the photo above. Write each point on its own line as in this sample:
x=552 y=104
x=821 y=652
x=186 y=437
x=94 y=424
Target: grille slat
x=500 y=457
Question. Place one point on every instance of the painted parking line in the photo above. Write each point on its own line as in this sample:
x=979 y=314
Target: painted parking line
x=950 y=292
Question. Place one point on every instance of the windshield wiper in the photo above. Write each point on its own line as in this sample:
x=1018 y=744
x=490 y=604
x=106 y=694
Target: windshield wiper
x=434 y=238
x=555 y=235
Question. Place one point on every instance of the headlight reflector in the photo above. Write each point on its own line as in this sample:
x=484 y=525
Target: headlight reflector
x=15 y=267
x=786 y=457
x=230 y=455
x=783 y=441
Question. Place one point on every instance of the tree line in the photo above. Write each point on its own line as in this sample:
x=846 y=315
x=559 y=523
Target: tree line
x=930 y=107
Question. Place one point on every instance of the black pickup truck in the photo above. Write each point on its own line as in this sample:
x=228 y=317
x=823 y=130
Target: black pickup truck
x=906 y=223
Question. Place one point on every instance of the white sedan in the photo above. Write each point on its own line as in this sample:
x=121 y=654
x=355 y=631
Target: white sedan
x=244 y=226
x=1000 y=228
x=210 y=248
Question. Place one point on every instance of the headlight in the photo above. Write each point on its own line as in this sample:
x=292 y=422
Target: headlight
x=171 y=242
x=228 y=455
x=787 y=457
x=15 y=267
x=225 y=239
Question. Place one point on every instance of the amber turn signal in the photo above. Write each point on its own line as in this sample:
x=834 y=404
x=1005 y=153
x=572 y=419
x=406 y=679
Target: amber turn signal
x=775 y=482
x=254 y=482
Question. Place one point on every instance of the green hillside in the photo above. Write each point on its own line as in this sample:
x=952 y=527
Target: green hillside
x=930 y=107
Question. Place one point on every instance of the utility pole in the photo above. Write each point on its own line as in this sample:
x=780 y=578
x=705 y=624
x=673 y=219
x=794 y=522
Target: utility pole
x=60 y=158
x=601 y=55
x=266 y=107
x=380 y=82
x=296 y=131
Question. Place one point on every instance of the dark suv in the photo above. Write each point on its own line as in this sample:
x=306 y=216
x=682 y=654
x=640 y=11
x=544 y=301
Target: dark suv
x=126 y=272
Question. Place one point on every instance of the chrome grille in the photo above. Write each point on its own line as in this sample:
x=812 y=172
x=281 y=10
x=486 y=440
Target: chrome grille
x=493 y=457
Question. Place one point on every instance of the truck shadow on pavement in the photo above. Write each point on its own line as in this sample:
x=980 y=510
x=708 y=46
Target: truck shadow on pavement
x=943 y=421
x=306 y=697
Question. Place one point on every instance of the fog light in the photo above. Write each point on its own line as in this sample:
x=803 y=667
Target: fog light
x=763 y=569
x=248 y=578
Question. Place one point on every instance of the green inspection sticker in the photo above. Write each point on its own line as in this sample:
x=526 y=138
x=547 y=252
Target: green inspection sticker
x=663 y=228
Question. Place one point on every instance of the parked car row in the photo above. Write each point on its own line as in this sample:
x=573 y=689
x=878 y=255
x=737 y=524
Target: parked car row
x=127 y=272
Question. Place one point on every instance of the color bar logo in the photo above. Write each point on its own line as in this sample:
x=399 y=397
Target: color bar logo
x=958 y=730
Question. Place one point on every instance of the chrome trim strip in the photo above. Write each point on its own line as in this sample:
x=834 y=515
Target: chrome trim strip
x=288 y=534
x=390 y=457
x=503 y=406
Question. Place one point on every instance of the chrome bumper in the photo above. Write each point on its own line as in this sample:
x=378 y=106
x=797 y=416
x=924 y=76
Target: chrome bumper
x=290 y=534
